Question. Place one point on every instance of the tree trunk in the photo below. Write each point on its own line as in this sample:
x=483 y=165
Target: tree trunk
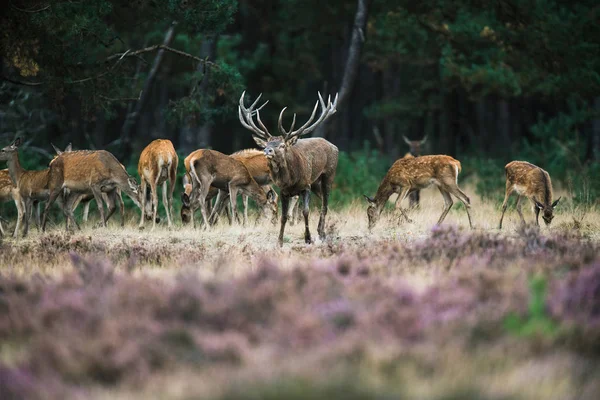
x=596 y=130
x=353 y=61
x=504 y=142
x=133 y=117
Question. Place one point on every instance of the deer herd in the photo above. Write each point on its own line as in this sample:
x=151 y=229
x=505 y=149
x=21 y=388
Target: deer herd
x=295 y=165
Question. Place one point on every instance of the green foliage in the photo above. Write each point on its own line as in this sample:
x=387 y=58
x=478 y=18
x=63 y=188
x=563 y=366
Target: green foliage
x=537 y=321
x=358 y=173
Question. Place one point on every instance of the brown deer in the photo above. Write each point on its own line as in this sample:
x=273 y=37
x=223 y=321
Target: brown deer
x=256 y=163
x=111 y=198
x=84 y=171
x=296 y=164
x=532 y=182
x=409 y=174
x=212 y=168
x=157 y=166
x=8 y=192
x=31 y=185
x=414 y=150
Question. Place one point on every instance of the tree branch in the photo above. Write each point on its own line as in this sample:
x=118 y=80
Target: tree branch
x=30 y=11
x=18 y=82
x=156 y=47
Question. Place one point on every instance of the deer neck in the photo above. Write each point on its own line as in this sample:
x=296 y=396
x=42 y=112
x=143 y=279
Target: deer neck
x=281 y=172
x=256 y=193
x=383 y=194
x=14 y=168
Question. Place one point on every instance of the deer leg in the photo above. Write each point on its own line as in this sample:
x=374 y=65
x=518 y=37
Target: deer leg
x=143 y=198
x=245 y=201
x=291 y=213
x=507 y=194
x=233 y=201
x=305 y=213
x=285 y=203
x=518 y=207
x=119 y=199
x=86 y=209
x=403 y=193
x=537 y=215
x=20 y=211
x=204 y=187
x=218 y=207
x=68 y=208
x=51 y=199
x=165 y=200
x=172 y=181
x=110 y=203
x=98 y=197
x=28 y=215
x=325 y=189
x=38 y=220
x=465 y=200
x=447 y=204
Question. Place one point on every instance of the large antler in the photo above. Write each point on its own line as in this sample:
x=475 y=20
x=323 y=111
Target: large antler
x=247 y=121
x=326 y=111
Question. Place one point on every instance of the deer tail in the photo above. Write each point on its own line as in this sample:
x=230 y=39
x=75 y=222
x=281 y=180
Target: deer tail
x=194 y=174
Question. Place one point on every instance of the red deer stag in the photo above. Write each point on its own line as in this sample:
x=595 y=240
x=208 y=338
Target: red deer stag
x=8 y=192
x=532 y=182
x=157 y=166
x=409 y=174
x=111 y=198
x=212 y=168
x=414 y=150
x=86 y=171
x=296 y=164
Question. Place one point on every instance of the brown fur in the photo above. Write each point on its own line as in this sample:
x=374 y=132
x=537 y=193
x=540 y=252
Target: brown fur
x=409 y=174
x=187 y=212
x=87 y=171
x=157 y=166
x=8 y=192
x=213 y=168
x=532 y=182
x=297 y=165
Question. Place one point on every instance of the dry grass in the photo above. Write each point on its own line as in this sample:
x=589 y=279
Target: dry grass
x=409 y=310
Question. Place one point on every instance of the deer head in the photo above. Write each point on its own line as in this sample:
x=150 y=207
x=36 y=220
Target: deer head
x=415 y=145
x=276 y=147
x=547 y=210
x=7 y=152
x=372 y=212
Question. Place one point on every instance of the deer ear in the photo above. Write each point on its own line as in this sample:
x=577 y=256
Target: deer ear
x=56 y=149
x=292 y=141
x=424 y=140
x=185 y=199
x=538 y=204
x=271 y=195
x=18 y=141
x=556 y=202
x=369 y=199
x=69 y=147
x=260 y=142
x=406 y=140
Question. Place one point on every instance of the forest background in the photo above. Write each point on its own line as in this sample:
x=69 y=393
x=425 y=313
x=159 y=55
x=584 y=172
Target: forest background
x=486 y=81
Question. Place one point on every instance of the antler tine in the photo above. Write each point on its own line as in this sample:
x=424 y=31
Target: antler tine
x=246 y=114
x=326 y=111
x=280 y=125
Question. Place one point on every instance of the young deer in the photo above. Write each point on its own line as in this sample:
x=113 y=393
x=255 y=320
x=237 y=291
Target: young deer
x=414 y=147
x=296 y=164
x=409 y=174
x=157 y=166
x=31 y=185
x=8 y=192
x=212 y=168
x=532 y=182
x=86 y=171
x=111 y=198
x=256 y=163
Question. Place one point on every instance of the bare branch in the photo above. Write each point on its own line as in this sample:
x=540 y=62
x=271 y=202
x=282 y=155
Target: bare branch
x=121 y=98
x=156 y=47
x=30 y=11
x=18 y=82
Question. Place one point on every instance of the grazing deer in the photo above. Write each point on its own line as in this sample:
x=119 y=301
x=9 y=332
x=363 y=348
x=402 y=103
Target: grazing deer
x=84 y=171
x=409 y=174
x=111 y=198
x=296 y=164
x=212 y=168
x=31 y=185
x=532 y=182
x=414 y=147
x=157 y=166
x=256 y=163
x=8 y=192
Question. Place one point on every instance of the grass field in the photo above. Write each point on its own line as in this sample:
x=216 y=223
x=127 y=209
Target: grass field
x=409 y=311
